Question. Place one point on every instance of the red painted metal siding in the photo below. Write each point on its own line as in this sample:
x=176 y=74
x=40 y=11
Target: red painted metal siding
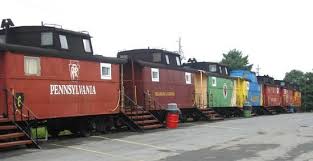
x=171 y=88
x=287 y=97
x=55 y=71
x=2 y=96
x=271 y=96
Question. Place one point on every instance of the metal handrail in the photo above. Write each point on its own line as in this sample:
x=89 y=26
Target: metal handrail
x=30 y=115
x=155 y=103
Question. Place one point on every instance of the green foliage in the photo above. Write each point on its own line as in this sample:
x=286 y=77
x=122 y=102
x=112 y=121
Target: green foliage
x=294 y=76
x=305 y=81
x=235 y=60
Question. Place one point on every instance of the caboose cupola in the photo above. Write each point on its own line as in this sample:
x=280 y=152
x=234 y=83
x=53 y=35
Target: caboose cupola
x=48 y=37
x=210 y=67
x=155 y=56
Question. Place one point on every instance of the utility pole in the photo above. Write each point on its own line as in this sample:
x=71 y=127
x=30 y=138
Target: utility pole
x=258 y=70
x=180 y=49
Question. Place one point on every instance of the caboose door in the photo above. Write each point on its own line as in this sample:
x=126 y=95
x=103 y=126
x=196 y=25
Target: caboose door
x=3 y=103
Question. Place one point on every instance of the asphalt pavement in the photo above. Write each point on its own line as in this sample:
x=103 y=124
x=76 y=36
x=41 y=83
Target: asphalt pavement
x=264 y=138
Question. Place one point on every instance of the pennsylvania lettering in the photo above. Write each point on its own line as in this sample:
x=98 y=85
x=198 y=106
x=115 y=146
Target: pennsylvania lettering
x=72 y=89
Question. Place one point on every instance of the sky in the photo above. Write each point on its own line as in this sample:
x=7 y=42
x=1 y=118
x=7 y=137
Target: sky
x=276 y=34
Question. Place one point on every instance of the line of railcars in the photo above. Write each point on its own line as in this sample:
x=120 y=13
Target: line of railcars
x=51 y=75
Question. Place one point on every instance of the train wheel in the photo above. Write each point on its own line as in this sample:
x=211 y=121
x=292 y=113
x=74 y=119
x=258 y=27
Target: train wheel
x=53 y=132
x=84 y=132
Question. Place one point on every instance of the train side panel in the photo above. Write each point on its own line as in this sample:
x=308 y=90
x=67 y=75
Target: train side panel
x=54 y=94
x=200 y=81
x=271 y=96
x=220 y=92
x=241 y=92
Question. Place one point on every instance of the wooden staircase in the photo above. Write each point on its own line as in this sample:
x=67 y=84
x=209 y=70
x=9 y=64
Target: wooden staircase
x=141 y=119
x=11 y=135
x=210 y=114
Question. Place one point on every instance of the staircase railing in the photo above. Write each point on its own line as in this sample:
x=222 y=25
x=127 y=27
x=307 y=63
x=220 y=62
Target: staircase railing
x=151 y=104
x=24 y=118
x=132 y=108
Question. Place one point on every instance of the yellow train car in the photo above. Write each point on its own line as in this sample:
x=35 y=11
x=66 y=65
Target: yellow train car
x=200 y=80
x=241 y=91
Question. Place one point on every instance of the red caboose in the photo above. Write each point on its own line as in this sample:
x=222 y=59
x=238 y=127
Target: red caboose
x=154 y=78
x=287 y=95
x=270 y=94
x=50 y=75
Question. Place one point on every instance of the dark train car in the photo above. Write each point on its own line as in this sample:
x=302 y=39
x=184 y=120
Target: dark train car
x=271 y=94
x=153 y=78
x=50 y=75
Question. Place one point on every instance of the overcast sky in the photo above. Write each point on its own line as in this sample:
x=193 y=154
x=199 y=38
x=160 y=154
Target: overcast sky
x=276 y=34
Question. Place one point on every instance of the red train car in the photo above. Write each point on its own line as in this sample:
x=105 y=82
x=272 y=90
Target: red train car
x=51 y=75
x=291 y=96
x=271 y=94
x=154 y=78
x=286 y=93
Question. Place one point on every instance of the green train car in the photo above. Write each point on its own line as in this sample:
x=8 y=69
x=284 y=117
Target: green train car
x=220 y=88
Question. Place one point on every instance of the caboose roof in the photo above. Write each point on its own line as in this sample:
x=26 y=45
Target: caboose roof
x=166 y=59
x=34 y=51
x=24 y=29
x=205 y=66
x=48 y=37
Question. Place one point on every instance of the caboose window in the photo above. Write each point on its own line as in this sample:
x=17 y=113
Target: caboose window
x=2 y=38
x=167 y=59
x=87 y=47
x=188 y=78
x=32 y=65
x=155 y=75
x=177 y=61
x=214 y=81
x=63 y=42
x=46 y=38
x=105 y=71
x=156 y=57
x=212 y=68
x=226 y=71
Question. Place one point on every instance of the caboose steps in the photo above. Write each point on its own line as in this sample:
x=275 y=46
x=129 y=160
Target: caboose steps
x=140 y=119
x=210 y=114
x=12 y=135
x=15 y=143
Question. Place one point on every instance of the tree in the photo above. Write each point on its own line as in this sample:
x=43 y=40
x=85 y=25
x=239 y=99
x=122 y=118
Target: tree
x=305 y=82
x=294 y=76
x=235 y=60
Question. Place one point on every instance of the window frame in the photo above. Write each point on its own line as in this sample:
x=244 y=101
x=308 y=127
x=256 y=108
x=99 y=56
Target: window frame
x=2 y=38
x=157 y=57
x=211 y=65
x=178 y=61
x=87 y=42
x=66 y=45
x=38 y=65
x=45 y=34
x=214 y=83
x=167 y=59
x=105 y=65
x=158 y=75
x=188 y=75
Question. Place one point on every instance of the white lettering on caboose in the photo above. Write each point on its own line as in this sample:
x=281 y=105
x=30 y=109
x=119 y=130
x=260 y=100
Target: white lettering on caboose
x=72 y=89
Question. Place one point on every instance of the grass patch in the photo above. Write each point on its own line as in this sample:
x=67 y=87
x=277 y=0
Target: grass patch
x=41 y=133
